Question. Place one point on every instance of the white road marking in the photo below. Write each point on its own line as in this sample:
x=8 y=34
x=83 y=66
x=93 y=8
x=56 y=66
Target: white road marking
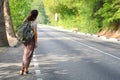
x=34 y=55
x=34 y=59
x=97 y=50
x=39 y=79
x=38 y=73
x=36 y=66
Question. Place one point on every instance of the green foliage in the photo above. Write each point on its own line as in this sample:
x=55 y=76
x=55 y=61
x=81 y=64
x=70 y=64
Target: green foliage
x=87 y=15
x=38 y=4
x=19 y=10
x=110 y=12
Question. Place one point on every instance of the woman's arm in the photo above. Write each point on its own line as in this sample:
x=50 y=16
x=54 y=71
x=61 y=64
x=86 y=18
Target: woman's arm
x=35 y=36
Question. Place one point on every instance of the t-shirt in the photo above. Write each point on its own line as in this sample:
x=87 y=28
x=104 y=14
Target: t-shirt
x=33 y=24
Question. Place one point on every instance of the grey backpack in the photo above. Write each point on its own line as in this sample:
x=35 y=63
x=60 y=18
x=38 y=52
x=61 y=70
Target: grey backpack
x=25 y=33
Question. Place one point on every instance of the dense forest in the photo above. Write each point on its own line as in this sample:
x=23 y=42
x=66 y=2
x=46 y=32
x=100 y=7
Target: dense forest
x=90 y=16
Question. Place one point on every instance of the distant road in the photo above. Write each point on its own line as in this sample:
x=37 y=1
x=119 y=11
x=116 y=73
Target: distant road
x=64 y=55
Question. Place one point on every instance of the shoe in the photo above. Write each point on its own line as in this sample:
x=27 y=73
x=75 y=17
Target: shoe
x=27 y=72
x=22 y=72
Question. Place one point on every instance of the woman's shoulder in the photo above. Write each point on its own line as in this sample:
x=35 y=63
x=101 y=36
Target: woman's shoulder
x=34 y=23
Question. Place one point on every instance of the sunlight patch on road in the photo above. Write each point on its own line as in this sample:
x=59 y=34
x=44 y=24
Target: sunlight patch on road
x=56 y=58
x=53 y=38
x=61 y=72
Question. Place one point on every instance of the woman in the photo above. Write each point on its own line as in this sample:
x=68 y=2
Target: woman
x=29 y=47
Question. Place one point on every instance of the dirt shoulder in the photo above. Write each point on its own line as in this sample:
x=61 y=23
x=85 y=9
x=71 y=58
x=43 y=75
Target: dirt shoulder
x=110 y=34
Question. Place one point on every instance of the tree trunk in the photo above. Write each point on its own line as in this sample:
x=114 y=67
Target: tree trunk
x=8 y=21
x=3 y=37
x=12 y=40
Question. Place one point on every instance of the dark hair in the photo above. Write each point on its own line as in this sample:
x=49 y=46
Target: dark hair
x=32 y=16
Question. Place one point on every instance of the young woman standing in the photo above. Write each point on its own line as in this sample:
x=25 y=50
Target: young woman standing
x=29 y=47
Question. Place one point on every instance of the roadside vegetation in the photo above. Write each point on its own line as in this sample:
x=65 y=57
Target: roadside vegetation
x=100 y=17
x=19 y=10
x=89 y=16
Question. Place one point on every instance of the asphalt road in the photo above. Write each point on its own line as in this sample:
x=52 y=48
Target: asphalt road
x=63 y=55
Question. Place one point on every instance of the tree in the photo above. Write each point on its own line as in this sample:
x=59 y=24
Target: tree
x=19 y=10
x=12 y=40
x=108 y=11
x=8 y=21
x=38 y=4
x=3 y=37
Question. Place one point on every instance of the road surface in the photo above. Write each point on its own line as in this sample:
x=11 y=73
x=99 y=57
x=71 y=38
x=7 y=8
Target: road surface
x=67 y=56
x=63 y=55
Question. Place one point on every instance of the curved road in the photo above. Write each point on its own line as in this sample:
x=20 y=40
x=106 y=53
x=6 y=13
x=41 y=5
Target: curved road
x=64 y=55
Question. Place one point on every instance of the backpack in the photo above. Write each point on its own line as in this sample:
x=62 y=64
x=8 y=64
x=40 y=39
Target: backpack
x=25 y=33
